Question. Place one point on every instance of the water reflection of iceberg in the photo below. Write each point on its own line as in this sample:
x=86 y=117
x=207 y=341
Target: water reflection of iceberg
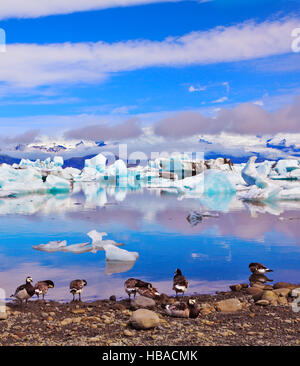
x=118 y=267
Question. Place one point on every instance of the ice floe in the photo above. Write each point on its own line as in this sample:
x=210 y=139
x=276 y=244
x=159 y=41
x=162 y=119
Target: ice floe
x=112 y=252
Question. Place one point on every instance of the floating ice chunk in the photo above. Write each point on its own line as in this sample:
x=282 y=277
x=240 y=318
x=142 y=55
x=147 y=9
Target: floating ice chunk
x=58 y=161
x=290 y=193
x=55 y=183
x=97 y=241
x=78 y=248
x=47 y=164
x=96 y=237
x=265 y=168
x=249 y=173
x=98 y=162
x=51 y=247
x=285 y=166
x=69 y=173
x=88 y=175
x=266 y=192
x=24 y=163
x=219 y=182
x=113 y=253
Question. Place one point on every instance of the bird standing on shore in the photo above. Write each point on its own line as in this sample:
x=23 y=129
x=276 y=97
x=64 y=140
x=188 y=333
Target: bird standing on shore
x=42 y=287
x=183 y=309
x=258 y=268
x=24 y=292
x=76 y=287
x=133 y=286
x=180 y=283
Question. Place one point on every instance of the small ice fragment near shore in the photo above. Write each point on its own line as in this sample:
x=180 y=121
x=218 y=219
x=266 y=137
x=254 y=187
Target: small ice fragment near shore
x=77 y=248
x=95 y=236
x=114 y=253
x=52 y=246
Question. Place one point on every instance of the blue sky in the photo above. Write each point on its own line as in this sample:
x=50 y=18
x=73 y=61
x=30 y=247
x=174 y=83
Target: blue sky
x=66 y=69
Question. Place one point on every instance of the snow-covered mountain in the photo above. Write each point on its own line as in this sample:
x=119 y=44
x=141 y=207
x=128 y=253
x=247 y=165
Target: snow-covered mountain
x=237 y=147
x=52 y=147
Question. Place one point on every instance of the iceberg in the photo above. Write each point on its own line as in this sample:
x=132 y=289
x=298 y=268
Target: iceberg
x=57 y=184
x=285 y=166
x=77 y=248
x=51 y=247
x=98 y=162
x=115 y=254
x=249 y=172
x=97 y=241
x=47 y=164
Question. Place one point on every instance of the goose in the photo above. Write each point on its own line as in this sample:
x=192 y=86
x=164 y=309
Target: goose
x=133 y=286
x=24 y=292
x=180 y=283
x=183 y=309
x=41 y=287
x=51 y=247
x=76 y=287
x=258 y=268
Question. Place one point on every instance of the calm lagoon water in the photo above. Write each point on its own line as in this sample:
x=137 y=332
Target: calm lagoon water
x=212 y=254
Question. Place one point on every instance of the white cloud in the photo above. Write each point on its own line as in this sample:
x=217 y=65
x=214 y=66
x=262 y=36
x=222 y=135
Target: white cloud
x=39 y=8
x=32 y=65
x=227 y=86
x=244 y=119
x=258 y=102
x=193 y=88
x=221 y=100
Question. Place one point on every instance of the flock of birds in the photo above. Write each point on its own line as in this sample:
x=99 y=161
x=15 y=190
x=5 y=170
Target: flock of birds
x=133 y=286
x=26 y=291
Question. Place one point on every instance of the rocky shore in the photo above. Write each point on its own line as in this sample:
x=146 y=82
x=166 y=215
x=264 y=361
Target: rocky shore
x=242 y=316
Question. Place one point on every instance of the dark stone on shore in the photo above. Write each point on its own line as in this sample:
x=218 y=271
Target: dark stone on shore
x=236 y=287
x=113 y=298
x=284 y=285
x=142 y=302
x=255 y=292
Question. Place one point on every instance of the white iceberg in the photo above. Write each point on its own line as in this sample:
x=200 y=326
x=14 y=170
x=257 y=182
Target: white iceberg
x=98 y=162
x=285 y=166
x=113 y=253
x=97 y=241
x=77 y=248
x=249 y=172
x=51 y=247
